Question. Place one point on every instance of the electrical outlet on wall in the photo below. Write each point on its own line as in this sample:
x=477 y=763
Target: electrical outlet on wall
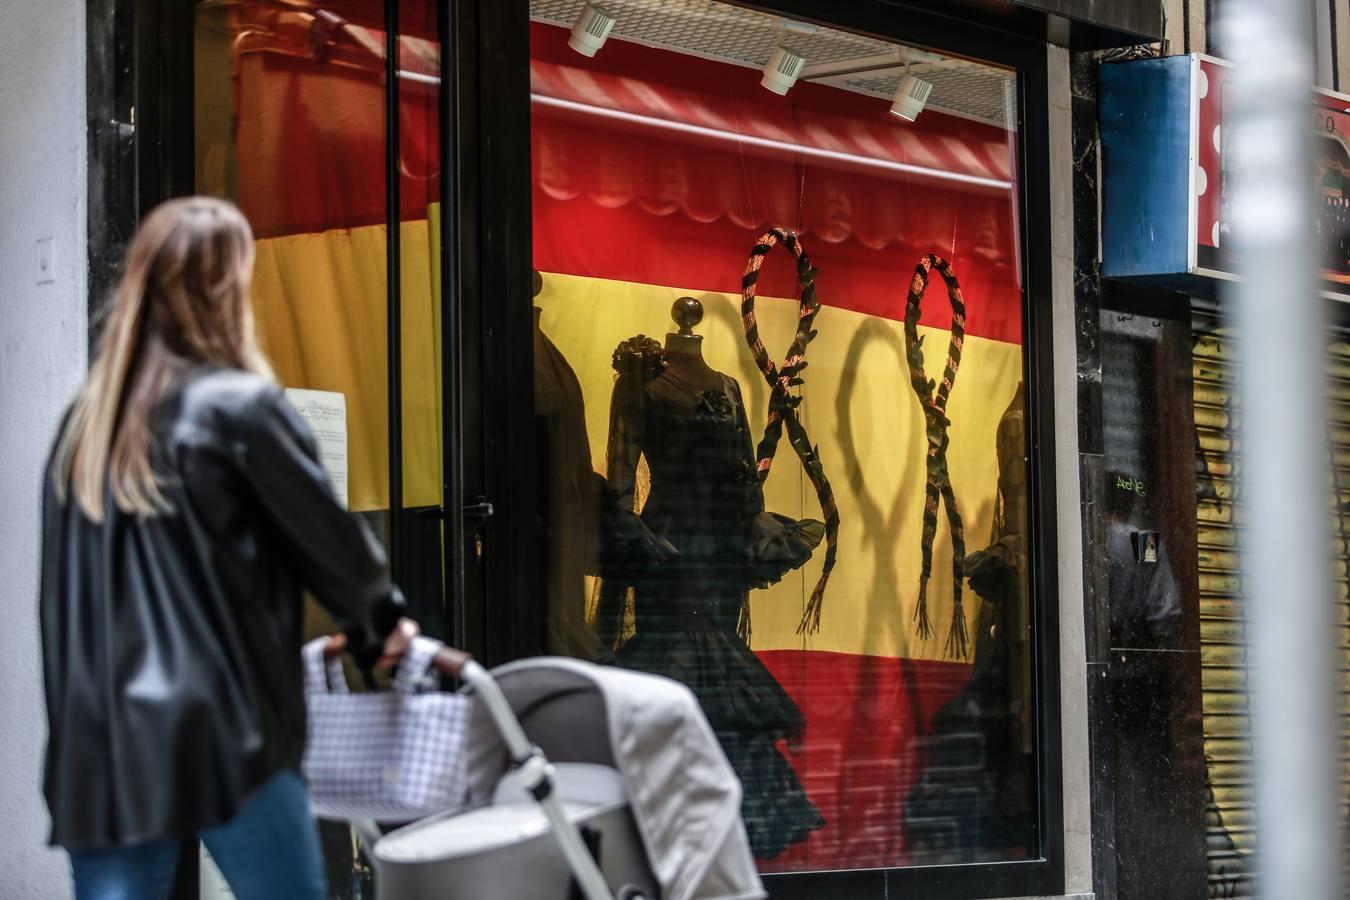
x=46 y=261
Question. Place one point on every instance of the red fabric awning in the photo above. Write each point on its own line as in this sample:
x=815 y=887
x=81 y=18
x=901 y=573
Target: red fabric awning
x=668 y=144
x=817 y=123
x=629 y=197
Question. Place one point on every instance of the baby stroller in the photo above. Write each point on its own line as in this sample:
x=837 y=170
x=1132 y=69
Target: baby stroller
x=585 y=783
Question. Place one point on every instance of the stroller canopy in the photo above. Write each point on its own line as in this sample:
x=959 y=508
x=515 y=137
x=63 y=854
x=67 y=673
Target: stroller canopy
x=684 y=795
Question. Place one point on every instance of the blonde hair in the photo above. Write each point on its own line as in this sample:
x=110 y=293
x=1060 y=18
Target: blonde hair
x=183 y=299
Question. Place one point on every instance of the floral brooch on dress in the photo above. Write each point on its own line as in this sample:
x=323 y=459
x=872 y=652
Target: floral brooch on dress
x=640 y=355
x=715 y=405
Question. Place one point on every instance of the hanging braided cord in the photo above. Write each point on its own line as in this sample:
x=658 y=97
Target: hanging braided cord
x=783 y=405
x=938 y=490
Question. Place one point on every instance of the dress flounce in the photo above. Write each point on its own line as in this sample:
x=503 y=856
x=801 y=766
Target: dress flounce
x=775 y=808
x=631 y=548
x=749 y=711
x=737 y=692
x=777 y=545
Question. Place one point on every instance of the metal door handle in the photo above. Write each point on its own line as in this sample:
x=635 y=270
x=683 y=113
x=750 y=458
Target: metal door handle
x=479 y=510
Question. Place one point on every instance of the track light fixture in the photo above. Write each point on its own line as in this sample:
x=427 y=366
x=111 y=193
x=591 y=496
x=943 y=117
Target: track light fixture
x=591 y=29
x=910 y=97
x=782 y=69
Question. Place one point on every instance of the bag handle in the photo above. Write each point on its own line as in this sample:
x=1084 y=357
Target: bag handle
x=417 y=661
x=323 y=673
x=322 y=664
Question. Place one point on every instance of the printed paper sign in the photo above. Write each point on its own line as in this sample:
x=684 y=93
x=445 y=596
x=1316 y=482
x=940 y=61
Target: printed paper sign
x=326 y=414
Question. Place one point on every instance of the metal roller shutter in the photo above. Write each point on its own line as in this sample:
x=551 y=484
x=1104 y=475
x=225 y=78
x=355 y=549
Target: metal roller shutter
x=1220 y=513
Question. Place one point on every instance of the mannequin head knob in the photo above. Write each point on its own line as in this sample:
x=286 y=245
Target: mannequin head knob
x=538 y=284
x=687 y=312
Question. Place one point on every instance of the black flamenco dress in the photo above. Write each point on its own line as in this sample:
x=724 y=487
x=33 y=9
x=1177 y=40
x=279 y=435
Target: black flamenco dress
x=674 y=599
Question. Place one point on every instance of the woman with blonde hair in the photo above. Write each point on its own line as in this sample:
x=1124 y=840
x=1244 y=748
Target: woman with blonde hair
x=184 y=511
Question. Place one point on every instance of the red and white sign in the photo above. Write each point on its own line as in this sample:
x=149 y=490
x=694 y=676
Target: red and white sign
x=1330 y=121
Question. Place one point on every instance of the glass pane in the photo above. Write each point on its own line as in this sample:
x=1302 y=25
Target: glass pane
x=290 y=124
x=694 y=474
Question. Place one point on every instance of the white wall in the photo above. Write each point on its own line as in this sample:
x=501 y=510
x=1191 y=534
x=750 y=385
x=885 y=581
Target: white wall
x=1072 y=629
x=42 y=357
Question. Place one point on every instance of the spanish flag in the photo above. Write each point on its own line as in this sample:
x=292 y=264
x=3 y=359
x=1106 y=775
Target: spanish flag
x=654 y=173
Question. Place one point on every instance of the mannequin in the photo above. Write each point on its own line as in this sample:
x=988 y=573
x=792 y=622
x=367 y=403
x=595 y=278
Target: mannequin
x=569 y=494
x=684 y=349
x=674 y=599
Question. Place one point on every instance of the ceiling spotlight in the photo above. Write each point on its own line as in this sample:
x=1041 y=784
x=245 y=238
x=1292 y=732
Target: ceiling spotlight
x=910 y=97
x=782 y=69
x=590 y=30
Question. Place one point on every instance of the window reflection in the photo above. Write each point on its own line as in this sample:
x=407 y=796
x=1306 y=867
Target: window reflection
x=693 y=471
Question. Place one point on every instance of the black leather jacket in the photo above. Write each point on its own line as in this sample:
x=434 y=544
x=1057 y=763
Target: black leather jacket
x=171 y=644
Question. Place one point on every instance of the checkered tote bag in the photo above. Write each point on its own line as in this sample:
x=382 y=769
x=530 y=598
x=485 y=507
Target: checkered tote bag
x=391 y=756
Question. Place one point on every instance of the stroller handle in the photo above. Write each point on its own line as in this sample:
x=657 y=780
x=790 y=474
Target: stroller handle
x=525 y=756
x=448 y=660
x=538 y=778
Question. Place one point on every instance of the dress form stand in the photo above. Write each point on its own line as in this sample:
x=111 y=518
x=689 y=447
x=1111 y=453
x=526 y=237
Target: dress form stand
x=684 y=349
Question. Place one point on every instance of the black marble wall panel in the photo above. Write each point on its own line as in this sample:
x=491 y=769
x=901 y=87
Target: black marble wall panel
x=1146 y=597
x=110 y=96
x=1087 y=313
x=1102 y=781
x=1136 y=465
x=1153 y=701
x=1095 y=582
x=1148 y=435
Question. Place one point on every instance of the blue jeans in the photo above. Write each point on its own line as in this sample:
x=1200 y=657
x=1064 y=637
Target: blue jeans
x=269 y=850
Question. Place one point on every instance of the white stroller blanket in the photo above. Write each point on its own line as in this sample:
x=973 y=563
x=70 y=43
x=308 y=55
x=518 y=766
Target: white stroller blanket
x=685 y=797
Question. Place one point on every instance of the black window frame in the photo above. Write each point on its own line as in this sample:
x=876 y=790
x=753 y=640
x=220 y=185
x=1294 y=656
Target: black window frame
x=140 y=58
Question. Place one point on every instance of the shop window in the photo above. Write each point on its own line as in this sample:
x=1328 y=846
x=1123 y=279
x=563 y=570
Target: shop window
x=774 y=464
